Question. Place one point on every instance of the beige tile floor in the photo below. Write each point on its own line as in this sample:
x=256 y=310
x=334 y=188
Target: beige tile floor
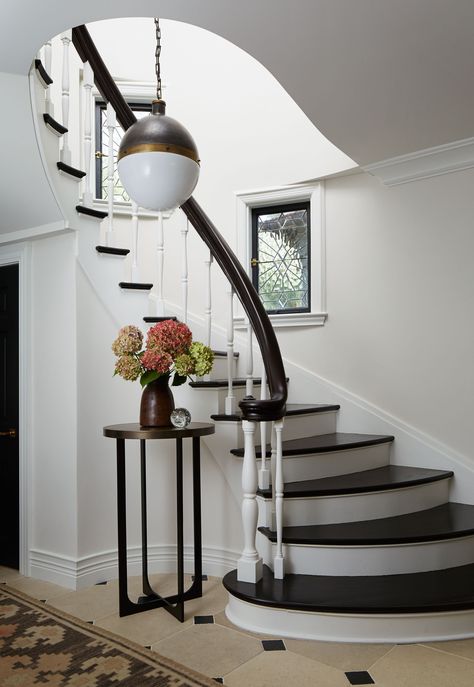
x=222 y=650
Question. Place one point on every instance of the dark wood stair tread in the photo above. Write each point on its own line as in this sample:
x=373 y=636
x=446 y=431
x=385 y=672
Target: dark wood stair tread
x=53 y=124
x=384 y=478
x=221 y=383
x=223 y=354
x=292 y=409
x=323 y=443
x=153 y=318
x=110 y=250
x=72 y=171
x=43 y=74
x=448 y=521
x=91 y=212
x=135 y=286
x=435 y=591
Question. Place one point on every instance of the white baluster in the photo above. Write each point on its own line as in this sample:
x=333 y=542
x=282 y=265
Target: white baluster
x=88 y=82
x=47 y=62
x=135 y=272
x=184 y=273
x=264 y=472
x=249 y=566
x=230 y=399
x=249 y=373
x=111 y=124
x=65 y=151
x=160 y=303
x=208 y=311
x=278 y=563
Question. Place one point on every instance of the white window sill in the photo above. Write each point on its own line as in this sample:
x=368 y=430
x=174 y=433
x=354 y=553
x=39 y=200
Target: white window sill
x=302 y=319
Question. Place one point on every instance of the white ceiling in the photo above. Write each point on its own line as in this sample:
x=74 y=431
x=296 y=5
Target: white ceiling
x=379 y=78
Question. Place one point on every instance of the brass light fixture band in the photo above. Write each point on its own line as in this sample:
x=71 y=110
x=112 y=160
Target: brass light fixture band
x=160 y=148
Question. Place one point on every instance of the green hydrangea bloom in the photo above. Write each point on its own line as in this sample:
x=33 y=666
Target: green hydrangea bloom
x=185 y=365
x=203 y=358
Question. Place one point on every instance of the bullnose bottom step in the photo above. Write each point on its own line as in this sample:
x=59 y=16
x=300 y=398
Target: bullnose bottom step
x=436 y=591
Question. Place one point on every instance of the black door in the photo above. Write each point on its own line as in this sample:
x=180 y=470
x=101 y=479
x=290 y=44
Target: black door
x=9 y=455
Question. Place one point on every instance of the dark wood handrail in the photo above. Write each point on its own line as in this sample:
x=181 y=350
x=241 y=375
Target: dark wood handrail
x=252 y=409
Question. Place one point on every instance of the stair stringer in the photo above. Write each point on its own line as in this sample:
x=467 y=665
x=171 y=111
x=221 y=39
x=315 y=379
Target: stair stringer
x=411 y=445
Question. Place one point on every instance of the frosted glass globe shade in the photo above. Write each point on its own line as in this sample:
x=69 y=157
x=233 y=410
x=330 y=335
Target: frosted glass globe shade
x=158 y=180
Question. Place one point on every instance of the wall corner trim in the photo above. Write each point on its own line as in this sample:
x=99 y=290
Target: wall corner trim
x=423 y=164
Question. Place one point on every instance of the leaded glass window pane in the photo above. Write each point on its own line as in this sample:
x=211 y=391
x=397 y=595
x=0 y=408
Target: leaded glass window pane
x=281 y=257
x=102 y=139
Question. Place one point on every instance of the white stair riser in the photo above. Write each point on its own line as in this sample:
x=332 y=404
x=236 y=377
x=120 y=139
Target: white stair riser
x=371 y=560
x=318 y=465
x=295 y=427
x=324 y=510
x=351 y=627
x=219 y=369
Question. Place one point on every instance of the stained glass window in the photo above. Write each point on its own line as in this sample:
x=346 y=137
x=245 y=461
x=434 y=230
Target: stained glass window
x=102 y=150
x=281 y=256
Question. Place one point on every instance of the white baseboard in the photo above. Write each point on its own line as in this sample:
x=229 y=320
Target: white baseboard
x=87 y=571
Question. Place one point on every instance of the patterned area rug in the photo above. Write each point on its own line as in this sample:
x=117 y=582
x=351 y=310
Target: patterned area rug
x=42 y=646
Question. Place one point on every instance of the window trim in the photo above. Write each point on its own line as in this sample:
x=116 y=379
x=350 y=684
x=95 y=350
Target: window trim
x=254 y=270
x=314 y=193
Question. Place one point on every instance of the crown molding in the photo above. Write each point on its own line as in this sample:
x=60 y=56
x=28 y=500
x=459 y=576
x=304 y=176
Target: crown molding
x=423 y=164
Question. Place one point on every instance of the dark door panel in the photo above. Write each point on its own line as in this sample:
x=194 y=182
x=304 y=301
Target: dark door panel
x=9 y=411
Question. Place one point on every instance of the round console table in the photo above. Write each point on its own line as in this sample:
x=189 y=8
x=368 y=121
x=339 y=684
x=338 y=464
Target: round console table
x=152 y=599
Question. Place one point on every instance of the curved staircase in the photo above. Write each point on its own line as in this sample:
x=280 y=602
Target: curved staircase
x=373 y=551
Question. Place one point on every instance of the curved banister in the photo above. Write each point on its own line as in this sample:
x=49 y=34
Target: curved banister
x=252 y=409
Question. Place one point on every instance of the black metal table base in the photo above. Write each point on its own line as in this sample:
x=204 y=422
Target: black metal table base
x=151 y=598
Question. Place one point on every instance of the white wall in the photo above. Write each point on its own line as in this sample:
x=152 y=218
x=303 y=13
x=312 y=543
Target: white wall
x=54 y=364
x=400 y=296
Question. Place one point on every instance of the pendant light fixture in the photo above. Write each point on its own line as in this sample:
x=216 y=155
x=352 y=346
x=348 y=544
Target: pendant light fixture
x=158 y=161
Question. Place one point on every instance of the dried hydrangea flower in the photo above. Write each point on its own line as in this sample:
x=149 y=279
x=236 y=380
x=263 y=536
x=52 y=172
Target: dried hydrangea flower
x=129 y=340
x=185 y=365
x=157 y=361
x=128 y=367
x=169 y=337
x=203 y=357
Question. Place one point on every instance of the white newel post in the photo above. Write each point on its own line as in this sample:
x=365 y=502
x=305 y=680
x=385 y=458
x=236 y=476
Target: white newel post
x=65 y=151
x=88 y=82
x=249 y=371
x=249 y=566
x=184 y=271
x=264 y=472
x=135 y=272
x=230 y=399
x=47 y=61
x=278 y=563
x=111 y=124
x=160 y=303
x=208 y=310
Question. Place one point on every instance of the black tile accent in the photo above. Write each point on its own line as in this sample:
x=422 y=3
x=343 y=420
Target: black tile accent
x=203 y=619
x=72 y=171
x=220 y=680
x=203 y=578
x=109 y=250
x=359 y=677
x=97 y=214
x=273 y=645
x=98 y=584
x=135 y=286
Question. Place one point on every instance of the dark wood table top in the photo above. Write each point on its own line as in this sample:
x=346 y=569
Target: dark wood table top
x=133 y=430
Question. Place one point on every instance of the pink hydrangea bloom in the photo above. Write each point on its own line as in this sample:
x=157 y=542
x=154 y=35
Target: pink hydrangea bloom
x=156 y=360
x=169 y=337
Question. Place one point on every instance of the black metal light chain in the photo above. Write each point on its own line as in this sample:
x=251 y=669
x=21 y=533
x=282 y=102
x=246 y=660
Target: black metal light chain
x=157 y=59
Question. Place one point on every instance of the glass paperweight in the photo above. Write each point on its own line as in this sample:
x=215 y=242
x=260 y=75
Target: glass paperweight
x=180 y=418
